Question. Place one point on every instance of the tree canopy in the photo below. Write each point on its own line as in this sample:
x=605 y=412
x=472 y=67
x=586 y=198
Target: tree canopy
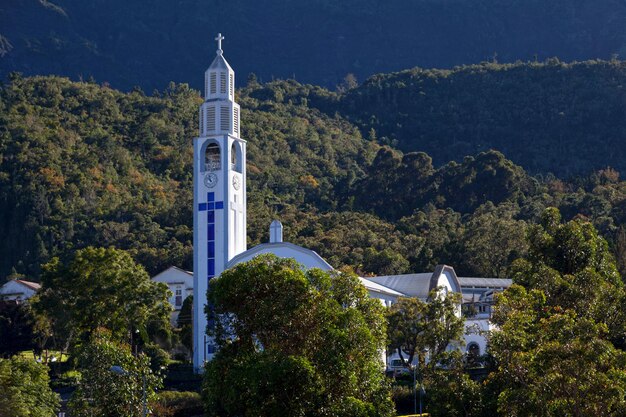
x=559 y=346
x=100 y=288
x=294 y=343
x=25 y=389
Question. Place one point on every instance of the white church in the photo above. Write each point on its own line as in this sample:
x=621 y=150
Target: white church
x=220 y=226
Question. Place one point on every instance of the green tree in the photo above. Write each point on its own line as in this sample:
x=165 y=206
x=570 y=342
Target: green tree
x=572 y=264
x=113 y=380
x=101 y=288
x=561 y=327
x=294 y=343
x=16 y=328
x=552 y=362
x=493 y=239
x=415 y=326
x=25 y=389
x=185 y=324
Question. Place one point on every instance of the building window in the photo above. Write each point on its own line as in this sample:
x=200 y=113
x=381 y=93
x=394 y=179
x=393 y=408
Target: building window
x=473 y=350
x=212 y=157
x=178 y=301
x=235 y=157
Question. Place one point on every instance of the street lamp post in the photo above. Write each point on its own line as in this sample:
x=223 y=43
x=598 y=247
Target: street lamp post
x=144 y=403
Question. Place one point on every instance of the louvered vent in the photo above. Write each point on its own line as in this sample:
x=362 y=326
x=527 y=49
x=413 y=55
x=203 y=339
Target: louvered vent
x=222 y=83
x=232 y=85
x=206 y=84
x=210 y=119
x=224 y=118
x=236 y=121
x=213 y=83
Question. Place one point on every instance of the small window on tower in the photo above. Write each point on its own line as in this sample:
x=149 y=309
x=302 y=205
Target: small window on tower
x=235 y=157
x=232 y=85
x=212 y=157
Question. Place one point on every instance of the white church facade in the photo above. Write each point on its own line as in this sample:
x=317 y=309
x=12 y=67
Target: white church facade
x=219 y=218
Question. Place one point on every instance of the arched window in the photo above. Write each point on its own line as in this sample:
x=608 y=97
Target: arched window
x=473 y=349
x=212 y=160
x=235 y=157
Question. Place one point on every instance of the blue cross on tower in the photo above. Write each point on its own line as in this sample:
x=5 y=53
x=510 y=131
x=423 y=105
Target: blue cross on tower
x=210 y=206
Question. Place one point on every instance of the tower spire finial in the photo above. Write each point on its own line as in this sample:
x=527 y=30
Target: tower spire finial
x=219 y=40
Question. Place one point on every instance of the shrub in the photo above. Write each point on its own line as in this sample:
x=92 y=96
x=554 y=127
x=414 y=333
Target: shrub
x=177 y=404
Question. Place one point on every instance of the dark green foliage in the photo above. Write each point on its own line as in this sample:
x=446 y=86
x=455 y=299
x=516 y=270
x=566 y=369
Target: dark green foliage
x=177 y=404
x=25 y=389
x=82 y=165
x=184 y=323
x=128 y=44
x=112 y=380
x=100 y=288
x=16 y=328
x=294 y=343
x=547 y=117
x=559 y=348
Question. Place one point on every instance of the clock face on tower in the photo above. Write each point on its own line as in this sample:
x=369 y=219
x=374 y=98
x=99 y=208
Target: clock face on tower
x=236 y=182
x=210 y=180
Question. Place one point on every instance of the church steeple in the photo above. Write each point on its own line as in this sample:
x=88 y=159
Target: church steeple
x=219 y=190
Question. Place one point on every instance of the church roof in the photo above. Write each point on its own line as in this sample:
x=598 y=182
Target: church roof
x=419 y=285
x=412 y=285
x=220 y=63
x=469 y=282
x=283 y=250
x=372 y=286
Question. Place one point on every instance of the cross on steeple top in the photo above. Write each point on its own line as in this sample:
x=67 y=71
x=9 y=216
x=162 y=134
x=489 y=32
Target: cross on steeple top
x=219 y=40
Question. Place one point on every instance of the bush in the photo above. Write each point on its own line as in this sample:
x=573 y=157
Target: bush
x=177 y=404
x=159 y=358
x=403 y=398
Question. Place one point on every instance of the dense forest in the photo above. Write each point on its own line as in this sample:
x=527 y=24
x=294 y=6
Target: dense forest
x=129 y=43
x=83 y=164
x=549 y=117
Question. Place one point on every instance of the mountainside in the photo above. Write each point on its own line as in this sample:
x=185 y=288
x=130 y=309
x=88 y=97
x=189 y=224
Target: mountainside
x=83 y=164
x=134 y=42
x=548 y=117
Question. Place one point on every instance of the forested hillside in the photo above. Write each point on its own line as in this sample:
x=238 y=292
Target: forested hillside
x=548 y=117
x=83 y=164
x=134 y=42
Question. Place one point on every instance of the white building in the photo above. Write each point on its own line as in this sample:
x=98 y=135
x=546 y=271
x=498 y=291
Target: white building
x=180 y=283
x=220 y=216
x=18 y=290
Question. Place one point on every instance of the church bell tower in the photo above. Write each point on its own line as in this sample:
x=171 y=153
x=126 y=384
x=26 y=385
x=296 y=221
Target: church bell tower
x=219 y=192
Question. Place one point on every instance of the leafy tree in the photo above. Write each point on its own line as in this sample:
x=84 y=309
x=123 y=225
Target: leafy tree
x=416 y=326
x=108 y=391
x=492 y=240
x=184 y=323
x=561 y=328
x=553 y=362
x=16 y=328
x=294 y=343
x=25 y=389
x=100 y=288
x=575 y=269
